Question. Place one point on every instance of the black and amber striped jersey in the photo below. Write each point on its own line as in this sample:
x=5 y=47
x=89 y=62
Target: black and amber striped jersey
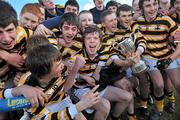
x=54 y=92
x=90 y=64
x=108 y=41
x=137 y=38
x=6 y=70
x=68 y=52
x=1 y=93
x=156 y=34
x=89 y=67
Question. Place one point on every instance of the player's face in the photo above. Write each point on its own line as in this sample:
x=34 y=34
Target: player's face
x=99 y=4
x=69 y=32
x=92 y=43
x=49 y=4
x=86 y=19
x=110 y=23
x=57 y=68
x=177 y=5
x=112 y=9
x=150 y=9
x=70 y=8
x=29 y=20
x=125 y=18
x=7 y=37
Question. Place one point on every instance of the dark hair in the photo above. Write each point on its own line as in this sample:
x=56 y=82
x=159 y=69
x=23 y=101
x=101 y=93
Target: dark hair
x=111 y=3
x=36 y=40
x=172 y=3
x=72 y=3
x=104 y=14
x=39 y=60
x=91 y=29
x=70 y=19
x=124 y=7
x=141 y=2
x=84 y=11
x=7 y=14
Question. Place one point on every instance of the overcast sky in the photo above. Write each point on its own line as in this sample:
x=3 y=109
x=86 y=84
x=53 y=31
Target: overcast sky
x=84 y=4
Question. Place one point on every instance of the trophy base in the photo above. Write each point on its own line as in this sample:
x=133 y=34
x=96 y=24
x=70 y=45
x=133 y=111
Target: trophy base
x=139 y=67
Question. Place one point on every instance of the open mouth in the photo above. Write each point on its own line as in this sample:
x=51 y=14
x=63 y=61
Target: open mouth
x=8 y=45
x=92 y=48
x=68 y=38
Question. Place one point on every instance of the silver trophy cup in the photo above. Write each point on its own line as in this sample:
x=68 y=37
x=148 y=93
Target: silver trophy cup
x=127 y=45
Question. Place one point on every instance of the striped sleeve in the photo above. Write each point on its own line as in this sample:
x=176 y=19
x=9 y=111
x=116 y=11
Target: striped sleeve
x=2 y=93
x=140 y=41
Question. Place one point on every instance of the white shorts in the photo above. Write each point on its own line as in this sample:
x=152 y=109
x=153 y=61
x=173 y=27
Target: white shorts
x=129 y=73
x=151 y=62
x=81 y=91
x=178 y=61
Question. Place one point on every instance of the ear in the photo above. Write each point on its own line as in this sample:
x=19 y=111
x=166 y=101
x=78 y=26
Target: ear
x=103 y=24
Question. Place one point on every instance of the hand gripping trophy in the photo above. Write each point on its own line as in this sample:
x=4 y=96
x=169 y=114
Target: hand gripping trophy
x=126 y=45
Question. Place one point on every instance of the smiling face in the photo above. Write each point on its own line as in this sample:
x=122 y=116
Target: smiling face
x=7 y=37
x=86 y=19
x=110 y=23
x=69 y=32
x=29 y=20
x=177 y=6
x=125 y=18
x=150 y=8
x=92 y=43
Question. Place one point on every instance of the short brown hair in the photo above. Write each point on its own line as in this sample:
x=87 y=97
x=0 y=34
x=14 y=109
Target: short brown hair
x=33 y=8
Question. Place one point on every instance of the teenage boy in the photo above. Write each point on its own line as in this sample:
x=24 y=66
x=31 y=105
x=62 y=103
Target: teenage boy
x=45 y=65
x=8 y=49
x=156 y=29
x=124 y=15
x=48 y=25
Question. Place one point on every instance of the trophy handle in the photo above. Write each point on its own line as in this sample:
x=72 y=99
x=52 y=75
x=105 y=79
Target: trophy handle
x=117 y=47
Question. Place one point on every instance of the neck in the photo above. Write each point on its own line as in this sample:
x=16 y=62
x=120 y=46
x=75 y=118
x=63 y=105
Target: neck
x=91 y=56
x=100 y=8
x=149 y=19
x=52 y=11
x=109 y=32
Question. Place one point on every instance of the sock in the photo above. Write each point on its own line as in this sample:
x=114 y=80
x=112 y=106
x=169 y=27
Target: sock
x=159 y=103
x=171 y=97
x=143 y=102
x=131 y=116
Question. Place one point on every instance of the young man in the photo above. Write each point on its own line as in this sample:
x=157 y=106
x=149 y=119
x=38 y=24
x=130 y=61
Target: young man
x=137 y=12
x=86 y=19
x=45 y=65
x=8 y=49
x=111 y=35
x=97 y=10
x=69 y=40
x=51 y=10
x=30 y=16
x=124 y=15
x=112 y=6
x=46 y=27
x=176 y=16
x=157 y=52
x=92 y=40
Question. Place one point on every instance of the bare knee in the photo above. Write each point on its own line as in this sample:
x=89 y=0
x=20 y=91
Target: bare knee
x=103 y=106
